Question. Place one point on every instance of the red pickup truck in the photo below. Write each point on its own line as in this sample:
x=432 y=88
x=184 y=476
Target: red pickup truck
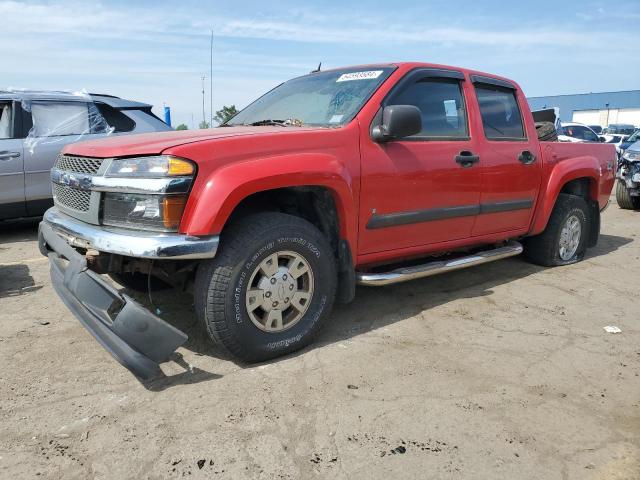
x=366 y=175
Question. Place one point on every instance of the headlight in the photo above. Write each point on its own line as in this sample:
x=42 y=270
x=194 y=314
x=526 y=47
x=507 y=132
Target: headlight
x=147 y=193
x=149 y=212
x=150 y=167
x=632 y=156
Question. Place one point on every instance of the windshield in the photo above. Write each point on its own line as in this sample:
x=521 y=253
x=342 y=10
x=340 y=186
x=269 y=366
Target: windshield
x=621 y=129
x=578 y=131
x=635 y=137
x=327 y=99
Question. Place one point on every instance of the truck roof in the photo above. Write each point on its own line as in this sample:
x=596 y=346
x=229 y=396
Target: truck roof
x=411 y=65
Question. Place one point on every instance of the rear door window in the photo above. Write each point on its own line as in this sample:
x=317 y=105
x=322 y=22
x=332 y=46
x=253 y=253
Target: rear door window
x=501 y=117
x=53 y=119
x=58 y=119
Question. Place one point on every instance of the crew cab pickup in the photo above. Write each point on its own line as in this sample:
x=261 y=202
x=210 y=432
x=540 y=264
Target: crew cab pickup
x=369 y=175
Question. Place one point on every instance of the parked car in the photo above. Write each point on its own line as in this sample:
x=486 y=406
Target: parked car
x=577 y=133
x=630 y=140
x=620 y=129
x=330 y=180
x=628 y=175
x=616 y=140
x=35 y=126
x=596 y=128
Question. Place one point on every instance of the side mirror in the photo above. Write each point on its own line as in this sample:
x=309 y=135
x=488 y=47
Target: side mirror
x=398 y=121
x=602 y=139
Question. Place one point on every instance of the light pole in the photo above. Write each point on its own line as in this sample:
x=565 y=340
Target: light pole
x=211 y=81
x=204 y=116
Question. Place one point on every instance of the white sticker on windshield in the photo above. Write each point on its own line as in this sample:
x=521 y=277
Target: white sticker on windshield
x=347 y=77
x=336 y=119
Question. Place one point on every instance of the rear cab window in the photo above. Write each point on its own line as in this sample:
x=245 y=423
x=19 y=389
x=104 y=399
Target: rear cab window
x=501 y=114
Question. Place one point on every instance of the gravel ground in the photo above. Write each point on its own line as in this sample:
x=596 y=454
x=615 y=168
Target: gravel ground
x=500 y=371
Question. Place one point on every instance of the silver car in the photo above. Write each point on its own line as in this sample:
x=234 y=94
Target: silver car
x=34 y=126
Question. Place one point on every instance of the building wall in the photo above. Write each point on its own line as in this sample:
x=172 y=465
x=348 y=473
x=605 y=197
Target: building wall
x=604 y=117
x=594 y=108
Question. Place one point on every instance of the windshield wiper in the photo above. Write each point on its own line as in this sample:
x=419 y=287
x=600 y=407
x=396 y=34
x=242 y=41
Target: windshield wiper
x=282 y=123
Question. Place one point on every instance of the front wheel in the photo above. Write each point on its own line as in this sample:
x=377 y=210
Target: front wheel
x=270 y=288
x=564 y=241
x=624 y=198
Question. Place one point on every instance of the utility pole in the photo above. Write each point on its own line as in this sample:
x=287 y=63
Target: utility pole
x=204 y=115
x=211 y=81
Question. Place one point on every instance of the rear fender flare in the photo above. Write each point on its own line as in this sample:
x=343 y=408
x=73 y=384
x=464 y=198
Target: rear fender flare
x=561 y=174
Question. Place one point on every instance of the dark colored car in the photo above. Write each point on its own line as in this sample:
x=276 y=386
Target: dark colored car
x=620 y=129
x=629 y=141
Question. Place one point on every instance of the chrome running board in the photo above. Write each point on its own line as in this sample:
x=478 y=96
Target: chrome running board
x=405 y=274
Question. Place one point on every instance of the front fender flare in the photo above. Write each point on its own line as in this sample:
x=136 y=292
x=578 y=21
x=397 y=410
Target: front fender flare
x=213 y=199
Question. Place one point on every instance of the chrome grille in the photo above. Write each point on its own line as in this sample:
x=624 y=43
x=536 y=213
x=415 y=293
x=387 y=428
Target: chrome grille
x=78 y=164
x=72 y=198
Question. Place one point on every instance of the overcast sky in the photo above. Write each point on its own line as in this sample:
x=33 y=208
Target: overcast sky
x=157 y=51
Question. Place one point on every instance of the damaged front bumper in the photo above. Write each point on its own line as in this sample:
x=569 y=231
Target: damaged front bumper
x=134 y=336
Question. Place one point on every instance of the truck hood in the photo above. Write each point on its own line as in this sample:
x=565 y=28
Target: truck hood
x=156 y=143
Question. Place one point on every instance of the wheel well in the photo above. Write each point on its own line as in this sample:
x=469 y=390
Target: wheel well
x=580 y=187
x=314 y=204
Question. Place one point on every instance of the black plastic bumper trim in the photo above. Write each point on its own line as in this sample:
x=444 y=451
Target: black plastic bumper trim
x=135 y=337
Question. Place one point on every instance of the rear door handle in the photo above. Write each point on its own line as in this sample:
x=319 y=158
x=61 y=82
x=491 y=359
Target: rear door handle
x=467 y=159
x=526 y=157
x=6 y=155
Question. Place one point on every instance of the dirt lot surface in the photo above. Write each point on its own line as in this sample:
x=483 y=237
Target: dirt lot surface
x=503 y=371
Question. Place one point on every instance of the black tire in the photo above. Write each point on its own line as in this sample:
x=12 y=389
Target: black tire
x=544 y=249
x=222 y=282
x=624 y=199
x=546 y=132
x=139 y=282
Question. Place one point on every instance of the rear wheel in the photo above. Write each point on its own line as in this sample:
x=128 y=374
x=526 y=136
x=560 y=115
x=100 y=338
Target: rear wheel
x=564 y=241
x=270 y=288
x=624 y=198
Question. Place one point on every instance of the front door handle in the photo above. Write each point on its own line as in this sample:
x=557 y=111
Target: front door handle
x=526 y=157
x=6 y=155
x=467 y=159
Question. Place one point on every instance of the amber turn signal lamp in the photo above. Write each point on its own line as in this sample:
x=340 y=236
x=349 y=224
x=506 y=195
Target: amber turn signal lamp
x=172 y=208
x=179 y=167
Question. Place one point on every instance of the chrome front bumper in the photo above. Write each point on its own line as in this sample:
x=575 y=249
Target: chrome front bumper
x=131 y=243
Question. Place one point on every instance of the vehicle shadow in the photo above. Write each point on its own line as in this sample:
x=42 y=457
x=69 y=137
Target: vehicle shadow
x=372 y=309
x=16 y=280
x=23 y=230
